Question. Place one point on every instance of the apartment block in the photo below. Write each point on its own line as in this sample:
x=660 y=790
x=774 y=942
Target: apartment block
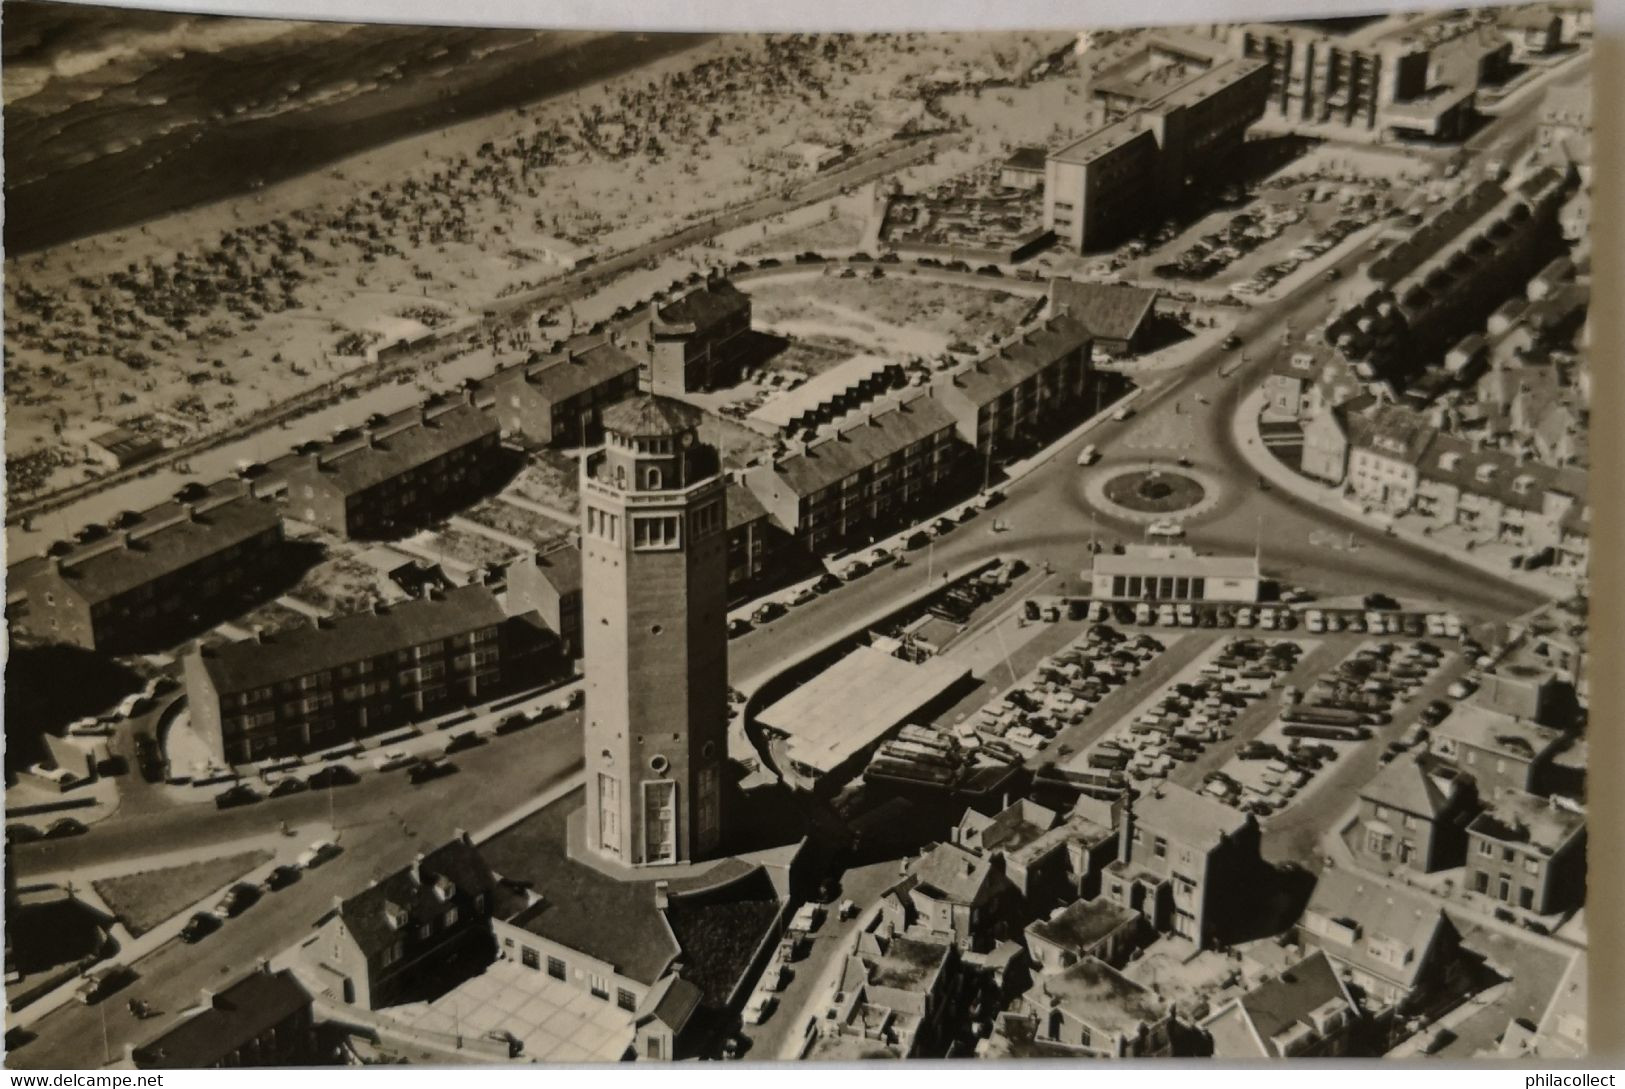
x=1137 y=169
x=559 y=400
x=144 y=584
x=313 y=688
x=400 y=473
x=1012 y=398
x=694 y=341
x=864 y=480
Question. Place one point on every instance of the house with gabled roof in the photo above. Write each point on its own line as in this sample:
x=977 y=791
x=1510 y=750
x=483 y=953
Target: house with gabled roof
x=378 y=947
x=1414 y=814
x=955 y=895
x=1305 y=1012
x=1497 y=749
x=1394 y=946
x=264 y=1018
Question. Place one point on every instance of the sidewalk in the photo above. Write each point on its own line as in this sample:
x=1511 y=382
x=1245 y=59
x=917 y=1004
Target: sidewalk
x=132 y=949
x=1248 y=439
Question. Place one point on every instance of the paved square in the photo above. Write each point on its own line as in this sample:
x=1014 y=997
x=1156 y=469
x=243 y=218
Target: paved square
x=557 y=1022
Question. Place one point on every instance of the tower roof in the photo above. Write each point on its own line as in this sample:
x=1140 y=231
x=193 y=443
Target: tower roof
x=648 y=415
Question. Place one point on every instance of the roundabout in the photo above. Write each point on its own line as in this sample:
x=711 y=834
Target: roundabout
x=1153 y=492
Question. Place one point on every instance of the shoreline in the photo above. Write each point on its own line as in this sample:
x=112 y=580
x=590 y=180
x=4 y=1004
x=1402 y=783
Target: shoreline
x=95 y=198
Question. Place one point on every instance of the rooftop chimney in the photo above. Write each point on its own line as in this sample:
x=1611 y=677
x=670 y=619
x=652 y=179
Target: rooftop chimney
x=662 y=895
x=259 y=634
x=417 y=867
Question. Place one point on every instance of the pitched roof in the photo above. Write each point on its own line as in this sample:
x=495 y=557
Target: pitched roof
x=705 y=305
x=226 y=1021
x=575 y=371
x=167 y=539
x=1103 y=998
x=743 y=506
x=1381 y=915
x=960 y=876
x=1394 y=432
x=561 y=567
x=1107 y=311
x=1187 y=816
x=1275 y=1007
x=414 y=891
x=672 y=1001
x=649 y=416
x=1406 y=785
x=887 y=432
x=1038 y=349
x=406 y=442
x=1026 y=158
x=582 y=908
x=237 y=667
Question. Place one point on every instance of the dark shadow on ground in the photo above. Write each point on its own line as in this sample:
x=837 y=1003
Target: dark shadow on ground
x=48 y=687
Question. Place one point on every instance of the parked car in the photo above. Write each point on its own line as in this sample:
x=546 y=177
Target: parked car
x=737 y=626
x=100 y=983
x=466 y=739
x=760 y=1007
x=63 y=827
x=803 y=595
x=237 y=899
x=281 y=877
x=767 y=611
x=23 y=833
x=429 y=770
x=316 y=854
x=1123 y=412
x=198 y=927
x=1088 y=455
x=1230 y=343
x=1165 y=528
x=334 y=775
x=826 y=583
x=284 y=787
x=392 y=760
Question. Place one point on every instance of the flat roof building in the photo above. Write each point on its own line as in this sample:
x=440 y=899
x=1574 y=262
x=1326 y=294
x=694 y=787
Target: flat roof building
x=264 y=1018
x=1173 y=573
x=825 y=729
x=1140 y=167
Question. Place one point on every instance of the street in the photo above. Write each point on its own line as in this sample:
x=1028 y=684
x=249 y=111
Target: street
x=382 y=822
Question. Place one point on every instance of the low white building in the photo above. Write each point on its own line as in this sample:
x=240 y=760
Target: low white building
x=1173 y=573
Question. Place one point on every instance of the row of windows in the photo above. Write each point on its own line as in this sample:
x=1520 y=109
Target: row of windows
x=557 y=969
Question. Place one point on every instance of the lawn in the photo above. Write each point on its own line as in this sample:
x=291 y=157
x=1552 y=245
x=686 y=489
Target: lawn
x=472 y=549
x=518 y=522
x=341 y=584
x=550 y=479
x=143 y=900
x=737 y=443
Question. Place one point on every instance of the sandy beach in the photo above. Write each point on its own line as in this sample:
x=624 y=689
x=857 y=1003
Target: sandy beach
x=195 y=320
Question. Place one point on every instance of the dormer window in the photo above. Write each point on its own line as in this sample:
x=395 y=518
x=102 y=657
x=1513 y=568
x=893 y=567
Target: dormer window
x=1485 y=473
x=395 y=916
x=443 y=888
x=1449 y=461
x=1524 y=484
